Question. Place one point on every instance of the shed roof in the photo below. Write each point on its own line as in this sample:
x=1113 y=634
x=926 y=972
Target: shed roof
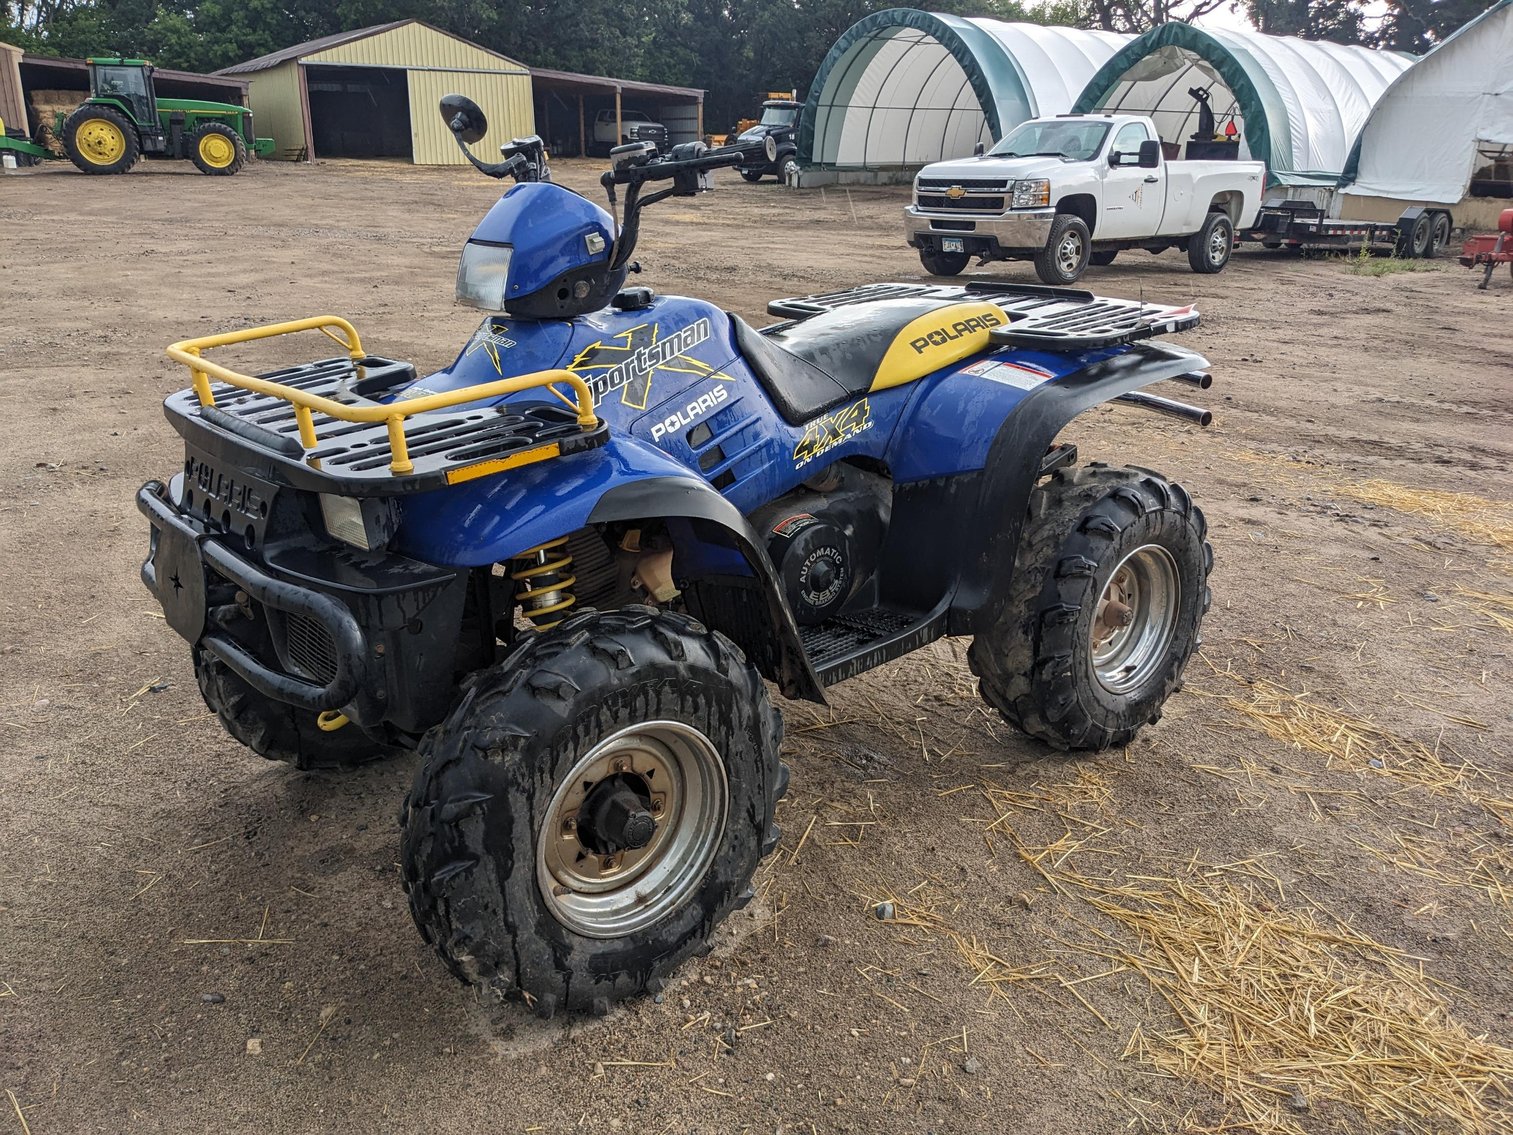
x=606 y=83
x=326 y=43
x=1302 y=101
x=60 y=63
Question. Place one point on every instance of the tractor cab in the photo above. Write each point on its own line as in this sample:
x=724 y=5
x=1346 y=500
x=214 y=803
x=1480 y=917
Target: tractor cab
x=126 y=83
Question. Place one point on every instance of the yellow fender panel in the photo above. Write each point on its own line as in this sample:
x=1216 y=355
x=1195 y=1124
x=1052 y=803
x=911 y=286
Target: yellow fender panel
x=944 y=336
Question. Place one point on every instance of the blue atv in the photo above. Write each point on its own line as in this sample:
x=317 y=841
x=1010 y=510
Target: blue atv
x=565 y=568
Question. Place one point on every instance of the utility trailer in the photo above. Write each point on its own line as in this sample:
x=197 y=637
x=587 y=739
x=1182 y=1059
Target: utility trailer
x=1420 y=231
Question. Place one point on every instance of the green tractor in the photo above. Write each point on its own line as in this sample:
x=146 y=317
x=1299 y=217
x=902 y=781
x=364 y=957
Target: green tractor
x=124 y=119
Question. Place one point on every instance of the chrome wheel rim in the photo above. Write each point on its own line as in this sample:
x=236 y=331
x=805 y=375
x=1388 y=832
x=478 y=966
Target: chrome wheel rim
x=1136 y=619
x=601 y=889
x=1218 y=244
x=1069 y=253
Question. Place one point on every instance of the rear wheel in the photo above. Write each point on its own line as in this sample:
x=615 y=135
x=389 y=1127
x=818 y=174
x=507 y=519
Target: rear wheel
x=751 y=175
x=1065 y=255
x=1439 y=234
x=277 y=730
x=1109 y=589
x=592 y=808
x=1103 y=259
x=1209 y=248
x=939 y=263
x=99 y=139
x=217 y=149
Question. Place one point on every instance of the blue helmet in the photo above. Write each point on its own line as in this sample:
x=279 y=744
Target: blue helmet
x=542 y=252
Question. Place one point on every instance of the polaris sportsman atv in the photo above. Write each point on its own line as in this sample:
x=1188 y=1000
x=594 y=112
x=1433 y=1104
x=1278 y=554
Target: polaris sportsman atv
x=561 y=567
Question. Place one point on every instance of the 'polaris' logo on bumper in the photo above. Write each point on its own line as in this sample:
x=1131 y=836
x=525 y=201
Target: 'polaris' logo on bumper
x=943 y=335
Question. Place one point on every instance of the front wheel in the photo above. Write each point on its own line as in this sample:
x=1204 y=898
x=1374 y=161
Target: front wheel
x=217 y=149
x=592 y=808
x=1065 y=255
x=939 y=263
x=1109 y=590
x=1208 y=249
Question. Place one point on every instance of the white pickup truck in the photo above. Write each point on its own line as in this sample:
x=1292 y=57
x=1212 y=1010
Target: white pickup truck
x=1068 y=190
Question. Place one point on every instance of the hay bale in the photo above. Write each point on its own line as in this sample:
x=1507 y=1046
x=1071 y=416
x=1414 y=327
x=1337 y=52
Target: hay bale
x=44 y=107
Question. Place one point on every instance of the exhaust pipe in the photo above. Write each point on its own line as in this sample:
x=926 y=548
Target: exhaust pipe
x=1201 y=379
x=1170 y=406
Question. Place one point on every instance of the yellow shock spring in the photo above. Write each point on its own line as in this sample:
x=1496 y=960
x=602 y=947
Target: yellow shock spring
x=544 y=582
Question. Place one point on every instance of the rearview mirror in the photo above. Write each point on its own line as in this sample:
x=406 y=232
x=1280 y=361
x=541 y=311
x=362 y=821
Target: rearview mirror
x=1150 y=155
x=464 y=118
x=978 y=150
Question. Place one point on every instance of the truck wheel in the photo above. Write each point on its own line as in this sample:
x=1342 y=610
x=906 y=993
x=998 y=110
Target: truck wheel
x=592 y=808
x=1102 y=259
x=99 y=139
x=1109 y=589
x=1065 y=255
x=751 y=175
x=939 y=263
x=1208 y=249
x=218 y=149
x=275 y=729
x=1439 y=234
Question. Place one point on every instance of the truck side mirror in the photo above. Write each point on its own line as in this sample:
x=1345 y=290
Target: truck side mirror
x=464 y=118
x=978 y=150
x=1150 y=155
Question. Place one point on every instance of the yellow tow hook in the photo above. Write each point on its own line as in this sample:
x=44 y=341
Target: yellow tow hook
x=331 y=720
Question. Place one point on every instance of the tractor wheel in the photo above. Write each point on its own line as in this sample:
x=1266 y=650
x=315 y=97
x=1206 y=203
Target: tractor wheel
x=1103 y=259
x=98 y=139
x=218 y=149
x=944 y=263
x=1064 y=257
x=1109 y=589
x=1209 y=249
x=277 y=730
x=592 y=808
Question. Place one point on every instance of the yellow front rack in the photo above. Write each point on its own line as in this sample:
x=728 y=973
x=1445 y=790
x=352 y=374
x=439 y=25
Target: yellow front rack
x=189 y=352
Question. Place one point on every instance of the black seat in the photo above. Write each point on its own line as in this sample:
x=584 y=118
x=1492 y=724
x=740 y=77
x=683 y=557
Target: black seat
x=820 y=362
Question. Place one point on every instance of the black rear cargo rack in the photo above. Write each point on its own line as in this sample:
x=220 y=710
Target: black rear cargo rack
x=1050 y=319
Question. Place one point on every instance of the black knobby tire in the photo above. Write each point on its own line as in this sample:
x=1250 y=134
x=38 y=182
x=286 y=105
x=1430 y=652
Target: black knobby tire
x=1065 y=255
x=1208 y=250
x=277 y=730
x=230 y=138
x=751 y=175
x=939 y=263
x=79 y=153
x=1036 y=665
x=485 y=792
x=1103 y=259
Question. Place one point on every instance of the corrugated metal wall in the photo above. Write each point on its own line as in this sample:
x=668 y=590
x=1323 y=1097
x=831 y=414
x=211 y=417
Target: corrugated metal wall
x=682 y=122
x=274 y=96
x=12 y=99
x=506 y=99
x=437 y=64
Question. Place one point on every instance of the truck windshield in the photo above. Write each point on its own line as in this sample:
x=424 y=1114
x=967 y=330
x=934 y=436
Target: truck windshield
x=1077 y=140
x=779 y=115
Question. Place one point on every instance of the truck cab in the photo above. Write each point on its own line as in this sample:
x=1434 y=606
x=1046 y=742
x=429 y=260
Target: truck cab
x=1075 y=189
x=612 y=129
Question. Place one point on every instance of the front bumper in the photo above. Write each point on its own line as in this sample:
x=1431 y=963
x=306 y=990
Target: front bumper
x=1017 y=231
x=316 y=628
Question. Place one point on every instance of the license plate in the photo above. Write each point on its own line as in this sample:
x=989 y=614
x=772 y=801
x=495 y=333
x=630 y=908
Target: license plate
x=952 y=244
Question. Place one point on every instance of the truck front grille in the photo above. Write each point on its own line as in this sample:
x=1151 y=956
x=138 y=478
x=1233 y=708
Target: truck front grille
x=971 y=203
x=987 y=184
x=309 y=648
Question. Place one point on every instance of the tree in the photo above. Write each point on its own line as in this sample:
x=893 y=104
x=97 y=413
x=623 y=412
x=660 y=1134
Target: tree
x=1417 y=25
x=1139 y=16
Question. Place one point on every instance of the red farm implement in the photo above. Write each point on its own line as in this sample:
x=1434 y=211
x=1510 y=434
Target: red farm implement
x=1490 y=249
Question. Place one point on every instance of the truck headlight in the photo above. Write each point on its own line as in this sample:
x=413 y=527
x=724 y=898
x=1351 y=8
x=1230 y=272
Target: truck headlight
x=1031 y=194
x=344 y=520
x=482 y=274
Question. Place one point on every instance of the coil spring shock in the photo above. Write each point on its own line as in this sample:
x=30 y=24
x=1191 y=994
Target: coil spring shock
x=544 y=581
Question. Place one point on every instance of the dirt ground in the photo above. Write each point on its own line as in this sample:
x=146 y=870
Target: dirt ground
x=1286 y=907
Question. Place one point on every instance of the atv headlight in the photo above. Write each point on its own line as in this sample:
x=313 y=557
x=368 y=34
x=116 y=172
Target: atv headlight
x=1031 y=194
x=344 y=520
x=483 y=274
